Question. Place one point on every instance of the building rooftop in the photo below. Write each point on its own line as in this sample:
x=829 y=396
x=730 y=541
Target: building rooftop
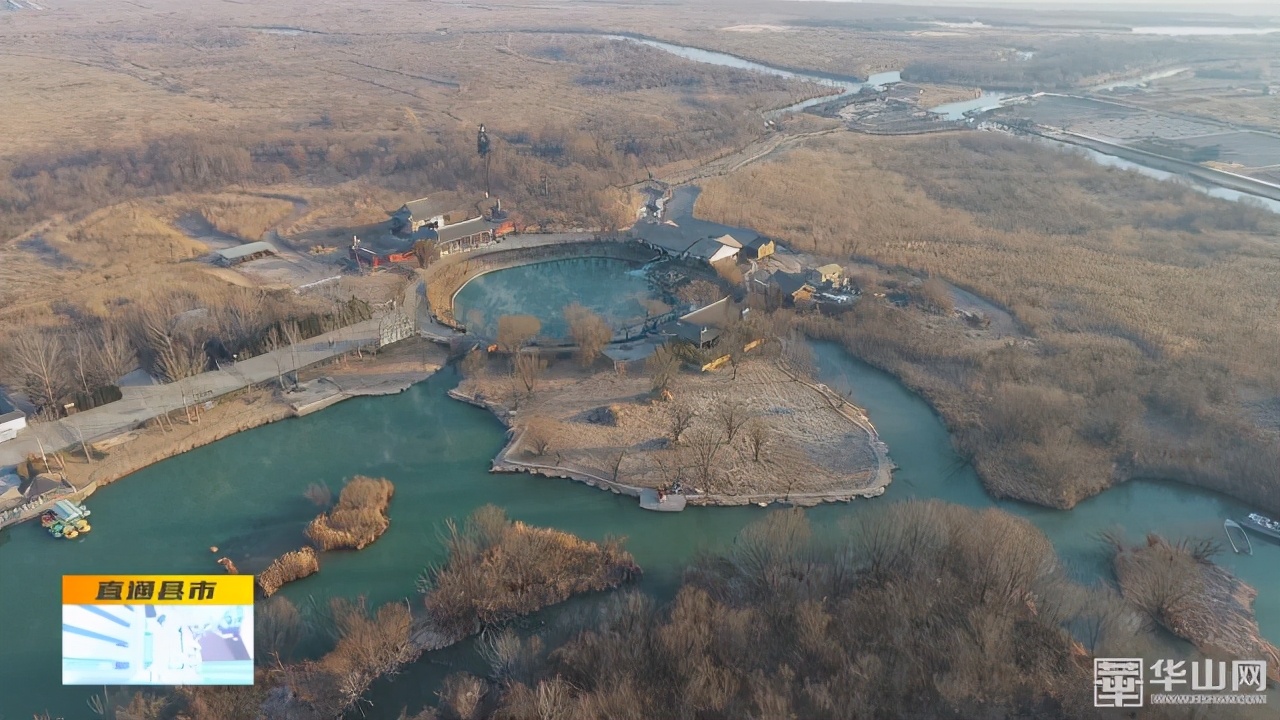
x=429 y=206
x=790 y=283
x=831 y=269
x=668 y=236
x=756 y=242
x=711 y=250
x=718 y=314
x=253 y=248
x=457 y=231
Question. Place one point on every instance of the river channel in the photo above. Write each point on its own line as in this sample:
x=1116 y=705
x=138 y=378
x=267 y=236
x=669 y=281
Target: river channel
x=987 y=100
x=245 y=495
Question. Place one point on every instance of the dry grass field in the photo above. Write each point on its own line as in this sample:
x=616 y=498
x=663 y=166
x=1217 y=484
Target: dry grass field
x=1151 y=306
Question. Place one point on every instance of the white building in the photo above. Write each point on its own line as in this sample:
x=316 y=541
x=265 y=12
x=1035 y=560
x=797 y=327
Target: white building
x=11 y=423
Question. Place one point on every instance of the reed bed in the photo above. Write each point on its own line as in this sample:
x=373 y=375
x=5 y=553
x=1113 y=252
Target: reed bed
x=290 y=566
x=499 y=569
x=359 y=518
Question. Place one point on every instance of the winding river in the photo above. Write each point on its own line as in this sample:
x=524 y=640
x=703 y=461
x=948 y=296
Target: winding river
x=245 y=495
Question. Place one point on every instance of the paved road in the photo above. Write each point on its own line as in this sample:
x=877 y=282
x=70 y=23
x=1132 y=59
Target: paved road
x=145 y=402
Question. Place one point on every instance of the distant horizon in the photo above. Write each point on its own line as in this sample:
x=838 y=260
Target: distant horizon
x=1250 y=8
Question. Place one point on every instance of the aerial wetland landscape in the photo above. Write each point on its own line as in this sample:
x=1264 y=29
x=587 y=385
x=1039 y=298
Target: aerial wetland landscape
x=628 y=360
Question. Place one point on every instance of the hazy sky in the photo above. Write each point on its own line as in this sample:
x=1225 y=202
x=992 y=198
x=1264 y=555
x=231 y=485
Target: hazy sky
x=1209 y=6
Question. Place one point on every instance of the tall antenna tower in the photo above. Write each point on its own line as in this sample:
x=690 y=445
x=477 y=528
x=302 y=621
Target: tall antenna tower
x=482 y=147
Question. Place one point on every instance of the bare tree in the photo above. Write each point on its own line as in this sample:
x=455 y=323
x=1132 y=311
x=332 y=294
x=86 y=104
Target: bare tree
x=670 y=465
x=731 y=416
x=36 y=364
x=679 y=418
x=589 y=331
x=516 y=331
x=177 y=353
x=615 y=463
x=83 y=363
x=758 y=434
x=662 y=366
x=271 y=343
x=703 y=448
x=538 y=434
x=115 y=355
x=291 y=334
x=528 y=367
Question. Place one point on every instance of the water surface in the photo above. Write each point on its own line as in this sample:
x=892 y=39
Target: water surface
x=614 y=289
x=244 y=494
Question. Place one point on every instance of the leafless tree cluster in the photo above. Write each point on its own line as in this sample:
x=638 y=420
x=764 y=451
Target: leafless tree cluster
x=697 y=445
x=925 y=610
x=50 y=365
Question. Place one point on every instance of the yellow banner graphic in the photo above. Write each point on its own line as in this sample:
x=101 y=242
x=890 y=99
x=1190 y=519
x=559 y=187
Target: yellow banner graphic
x=157 y=589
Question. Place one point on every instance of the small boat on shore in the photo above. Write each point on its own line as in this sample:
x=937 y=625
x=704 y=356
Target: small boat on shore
x=1238 y=538
x=1263 y=525
x=66 y=520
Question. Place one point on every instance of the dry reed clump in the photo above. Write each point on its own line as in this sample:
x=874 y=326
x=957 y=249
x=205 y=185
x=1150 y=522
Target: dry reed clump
x=293 y=565
x=498 y=569
x=1182 y=589
x=359 y=518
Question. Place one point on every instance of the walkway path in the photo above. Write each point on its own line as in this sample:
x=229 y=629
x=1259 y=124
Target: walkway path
x=143 y=403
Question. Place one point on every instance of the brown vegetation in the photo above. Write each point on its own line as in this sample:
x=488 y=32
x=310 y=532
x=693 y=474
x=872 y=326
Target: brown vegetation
x=589 y=331
x=247 y=218
x=293 y=565
x=1139 y=353
x=369 y=644
x=516 y=331
x=499 y=569
x=925 y=610
x=359 y=518
x=1179 y=586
